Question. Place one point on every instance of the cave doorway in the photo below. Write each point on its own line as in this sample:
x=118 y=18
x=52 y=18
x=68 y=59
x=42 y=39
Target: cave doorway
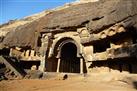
x=69 y=62
x=66 y=57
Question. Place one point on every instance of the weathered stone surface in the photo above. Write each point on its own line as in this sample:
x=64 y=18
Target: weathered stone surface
x=23 y=36
x=34 y=74
x=94 y=15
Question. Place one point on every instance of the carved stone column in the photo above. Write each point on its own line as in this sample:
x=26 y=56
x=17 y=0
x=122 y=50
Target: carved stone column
x=58 y=65
x=42 y=64
x=81 y=65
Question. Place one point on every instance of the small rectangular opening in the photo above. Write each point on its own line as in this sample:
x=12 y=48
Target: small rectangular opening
x=101 y=46
x=28 y=64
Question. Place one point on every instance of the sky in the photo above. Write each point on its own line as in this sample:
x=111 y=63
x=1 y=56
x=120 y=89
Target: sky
x=17 y=9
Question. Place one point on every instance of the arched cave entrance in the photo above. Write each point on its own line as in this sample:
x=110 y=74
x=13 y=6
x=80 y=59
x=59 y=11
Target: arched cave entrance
x=66 y=58
x=69 y=62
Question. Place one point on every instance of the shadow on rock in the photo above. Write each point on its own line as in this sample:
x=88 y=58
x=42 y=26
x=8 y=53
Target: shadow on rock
x=135 y=84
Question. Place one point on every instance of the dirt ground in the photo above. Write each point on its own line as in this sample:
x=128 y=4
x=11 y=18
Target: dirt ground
x=95 y=82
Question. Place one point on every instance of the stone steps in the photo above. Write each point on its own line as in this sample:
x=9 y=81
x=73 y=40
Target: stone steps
x=13 y=66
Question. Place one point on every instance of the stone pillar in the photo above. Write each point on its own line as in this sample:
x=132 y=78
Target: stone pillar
x=88 y=53
x=11 y=52
x=27 y=53
x=81 y=66
x=87 y=66
x=58 y=65
x=42 y=63
x=32 y=53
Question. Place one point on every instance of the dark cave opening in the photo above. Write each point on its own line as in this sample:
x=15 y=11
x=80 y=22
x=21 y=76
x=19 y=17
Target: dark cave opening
x=70 y=63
